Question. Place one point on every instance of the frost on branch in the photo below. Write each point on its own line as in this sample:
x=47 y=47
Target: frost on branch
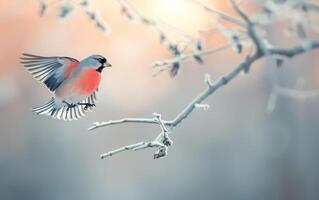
x=161 y=142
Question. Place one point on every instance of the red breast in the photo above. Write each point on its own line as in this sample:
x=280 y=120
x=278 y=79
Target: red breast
x=88 y=81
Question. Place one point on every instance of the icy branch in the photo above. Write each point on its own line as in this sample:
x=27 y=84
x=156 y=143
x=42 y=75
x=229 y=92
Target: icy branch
x=161 y=142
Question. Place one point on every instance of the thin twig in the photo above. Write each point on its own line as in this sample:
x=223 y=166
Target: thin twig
x=221 y=14
x=162 y=142
x=124 y=120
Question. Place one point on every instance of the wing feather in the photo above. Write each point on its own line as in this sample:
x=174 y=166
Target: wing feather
x=49 y=70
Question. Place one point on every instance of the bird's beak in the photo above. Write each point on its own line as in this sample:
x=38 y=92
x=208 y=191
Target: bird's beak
x=107 y=65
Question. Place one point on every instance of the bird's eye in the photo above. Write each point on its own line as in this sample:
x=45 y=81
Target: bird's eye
x=101 y=60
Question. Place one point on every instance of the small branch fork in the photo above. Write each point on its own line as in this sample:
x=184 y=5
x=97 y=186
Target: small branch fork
x=262 y=49
x=161 y=142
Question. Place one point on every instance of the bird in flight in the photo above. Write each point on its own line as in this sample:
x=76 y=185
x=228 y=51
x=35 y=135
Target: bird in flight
x=73 y=83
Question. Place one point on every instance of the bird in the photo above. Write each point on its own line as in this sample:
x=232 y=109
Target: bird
x=73 y=83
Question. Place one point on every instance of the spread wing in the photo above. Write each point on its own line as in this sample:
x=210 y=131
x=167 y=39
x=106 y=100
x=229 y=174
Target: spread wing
x=51 y=71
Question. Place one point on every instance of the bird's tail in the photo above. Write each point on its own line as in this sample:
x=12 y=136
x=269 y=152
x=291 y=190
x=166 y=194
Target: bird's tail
x=58 y=110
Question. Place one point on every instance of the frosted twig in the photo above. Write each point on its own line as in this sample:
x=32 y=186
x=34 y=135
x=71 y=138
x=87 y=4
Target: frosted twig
x=124 y=120
x=162 y=142
x=178 y=59
x=94 y=17
x=67 y=7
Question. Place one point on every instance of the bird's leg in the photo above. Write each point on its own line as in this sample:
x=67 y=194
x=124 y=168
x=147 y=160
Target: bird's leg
x=86 y=105
x=70 y=105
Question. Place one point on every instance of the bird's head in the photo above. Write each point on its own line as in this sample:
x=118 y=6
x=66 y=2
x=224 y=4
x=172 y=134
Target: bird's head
x=97 y=61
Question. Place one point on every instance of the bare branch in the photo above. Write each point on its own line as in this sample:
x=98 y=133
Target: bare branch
x=183 y=57
x=138 y=146
x=251 y=29
x=220 y=14
x=290 y=52
x=124 y=120
x=119 y=150
x=162 y=142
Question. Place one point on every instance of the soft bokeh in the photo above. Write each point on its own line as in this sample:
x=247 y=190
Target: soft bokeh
x=235 y=150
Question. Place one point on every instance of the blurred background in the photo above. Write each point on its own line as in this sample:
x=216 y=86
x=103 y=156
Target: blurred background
x=235 y=150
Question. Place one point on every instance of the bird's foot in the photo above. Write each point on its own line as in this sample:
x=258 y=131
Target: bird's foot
x=87 y=105
x=70 y=105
